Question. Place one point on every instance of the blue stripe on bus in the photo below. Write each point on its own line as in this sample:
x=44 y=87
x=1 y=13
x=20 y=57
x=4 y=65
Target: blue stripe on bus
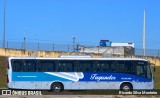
x=90 y=77
x=116 y=77
x=35 y=76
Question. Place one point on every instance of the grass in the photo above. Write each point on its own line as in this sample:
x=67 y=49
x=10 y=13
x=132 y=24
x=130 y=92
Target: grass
x=3 y=74
x=157 y=78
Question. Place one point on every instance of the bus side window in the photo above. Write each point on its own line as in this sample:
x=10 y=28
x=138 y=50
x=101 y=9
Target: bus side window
x=46 y=66
x=106 y=66
x=17 y=65
x=76 y=67
x=118 y=66
x=98 y=69
x=40 y=67
x=113 y=66
x=86 y=67
x=25 y=67
x=101 y=66
x=65 y=69
x=95 y=66
x=59 y=67
x=68 y=67
x=129 y=67
x=50 y=66
x=31 y=64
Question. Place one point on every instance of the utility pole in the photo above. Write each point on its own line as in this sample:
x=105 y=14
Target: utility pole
x=24 y=40
x=77 y=48
x=74 y=41
x=4 y=25
x=144 y=34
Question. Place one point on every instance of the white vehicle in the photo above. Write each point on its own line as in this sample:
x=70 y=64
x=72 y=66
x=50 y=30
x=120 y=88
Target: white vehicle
x=79 y=73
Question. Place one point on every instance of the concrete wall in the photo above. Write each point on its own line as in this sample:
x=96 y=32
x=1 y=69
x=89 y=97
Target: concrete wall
x=118 y=50
x=15 y=52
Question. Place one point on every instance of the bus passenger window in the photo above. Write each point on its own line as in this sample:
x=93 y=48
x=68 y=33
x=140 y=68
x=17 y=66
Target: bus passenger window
x=30 y=65
x=17 y=65
x=104 y=66
x=86 y=67
x=40 y=67
x=60 y=68
x=46 y=65
x=77 y=67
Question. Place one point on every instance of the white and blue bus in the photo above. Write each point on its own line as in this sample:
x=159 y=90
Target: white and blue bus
x=79 y=73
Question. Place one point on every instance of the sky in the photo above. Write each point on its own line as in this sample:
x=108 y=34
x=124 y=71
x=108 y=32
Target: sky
x=89 y=21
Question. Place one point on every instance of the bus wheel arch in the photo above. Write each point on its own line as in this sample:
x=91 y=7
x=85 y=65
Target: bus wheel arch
x=126 y=86
x=57 y=87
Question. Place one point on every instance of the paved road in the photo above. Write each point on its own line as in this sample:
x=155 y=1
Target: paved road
x=81 y=96
x=74 y=94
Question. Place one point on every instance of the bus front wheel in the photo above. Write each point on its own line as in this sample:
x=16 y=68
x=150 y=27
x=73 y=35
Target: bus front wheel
x=126 y=87
x=57 y=87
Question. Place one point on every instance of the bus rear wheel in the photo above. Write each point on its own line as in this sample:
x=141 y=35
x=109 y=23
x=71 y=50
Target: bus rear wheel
x=57 y=87
x=126 y=87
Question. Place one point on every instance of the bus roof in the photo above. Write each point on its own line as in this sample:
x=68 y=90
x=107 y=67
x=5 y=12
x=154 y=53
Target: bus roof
x=77 y=58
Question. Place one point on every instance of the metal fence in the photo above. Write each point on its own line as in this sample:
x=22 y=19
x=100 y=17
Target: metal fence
x=64 y=47
x=149 y=52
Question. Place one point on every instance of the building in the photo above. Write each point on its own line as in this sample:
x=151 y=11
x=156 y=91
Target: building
x=119 y=49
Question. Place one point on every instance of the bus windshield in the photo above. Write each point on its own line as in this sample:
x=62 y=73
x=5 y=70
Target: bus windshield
x=139 y=68
x=143 y=69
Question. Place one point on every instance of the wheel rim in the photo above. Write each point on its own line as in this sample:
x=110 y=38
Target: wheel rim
x=126 y=88
x=56 y=88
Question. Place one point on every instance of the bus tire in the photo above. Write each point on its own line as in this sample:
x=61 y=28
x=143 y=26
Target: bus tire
x=57 y=87
x=126 y=87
